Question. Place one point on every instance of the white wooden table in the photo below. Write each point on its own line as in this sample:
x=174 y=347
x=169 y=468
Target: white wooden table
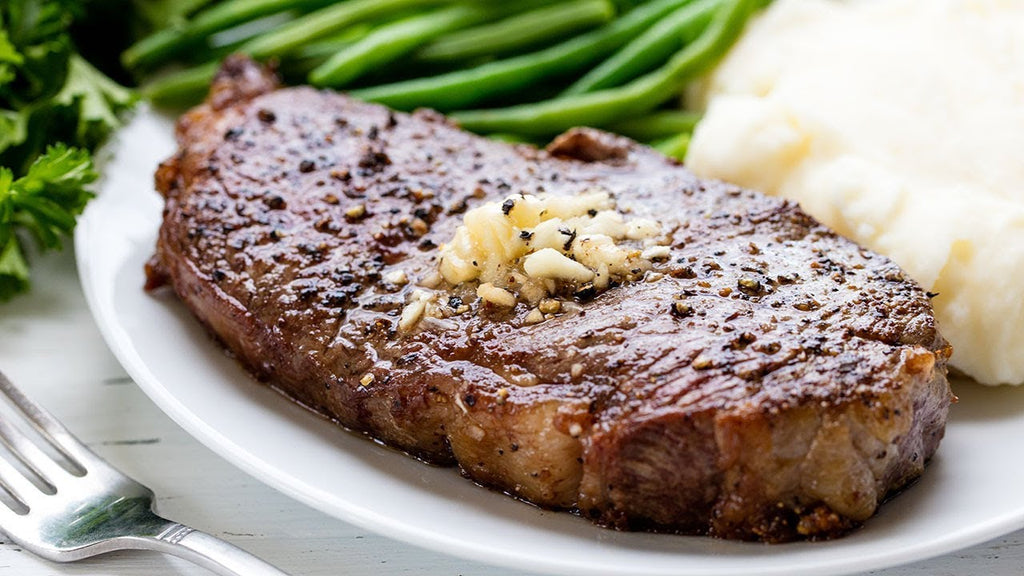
x=51 y=347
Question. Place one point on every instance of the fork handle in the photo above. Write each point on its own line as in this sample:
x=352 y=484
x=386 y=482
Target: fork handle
x=208 y=551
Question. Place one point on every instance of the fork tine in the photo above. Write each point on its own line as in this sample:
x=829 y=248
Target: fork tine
x=48 y=426
x=11 y=521
x=30 y=454
x=17 y=484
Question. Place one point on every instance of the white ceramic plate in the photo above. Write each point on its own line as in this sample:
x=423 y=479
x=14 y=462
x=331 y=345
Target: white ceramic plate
x=970 y=492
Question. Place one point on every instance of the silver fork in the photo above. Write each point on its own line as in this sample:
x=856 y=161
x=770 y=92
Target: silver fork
x=98 y=509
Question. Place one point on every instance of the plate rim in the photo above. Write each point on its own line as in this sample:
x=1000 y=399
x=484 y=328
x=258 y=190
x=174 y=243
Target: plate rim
x=119 y=342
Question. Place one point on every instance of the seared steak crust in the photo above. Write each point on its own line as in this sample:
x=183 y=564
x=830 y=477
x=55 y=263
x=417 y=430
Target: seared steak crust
x=771 y=380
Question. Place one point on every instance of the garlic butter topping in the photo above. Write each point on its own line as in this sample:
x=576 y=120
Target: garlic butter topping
x=538 y=250
x=528 y=247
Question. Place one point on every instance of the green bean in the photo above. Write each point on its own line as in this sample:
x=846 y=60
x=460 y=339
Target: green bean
x=188 y=87
x=462 y=88
x=181 y=89
x=391 y=41
x=604 y=107
x=151 y=16
x=158 y=47
x=657 y=125
x=650 y=49
x=300 y=63
x=516 y=32
x=323 y=22
x=674 y=146
x=288 y=41
x=170 y=42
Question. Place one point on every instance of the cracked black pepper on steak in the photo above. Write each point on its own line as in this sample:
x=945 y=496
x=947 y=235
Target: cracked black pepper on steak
x=768 y=380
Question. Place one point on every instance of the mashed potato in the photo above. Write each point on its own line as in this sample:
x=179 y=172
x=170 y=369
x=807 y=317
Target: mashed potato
x=900 y=123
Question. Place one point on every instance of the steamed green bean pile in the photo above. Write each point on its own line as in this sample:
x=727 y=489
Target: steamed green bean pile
x=525 y=70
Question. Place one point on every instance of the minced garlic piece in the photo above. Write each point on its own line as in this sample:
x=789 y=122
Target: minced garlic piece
x=655 y=253
x=534 y=317
x=491 y=293
x=397 y=277
x=550 y=306
x=528 y=246
x=415 y=309
x=576 y=370
x=550 y=263
x=355 y=212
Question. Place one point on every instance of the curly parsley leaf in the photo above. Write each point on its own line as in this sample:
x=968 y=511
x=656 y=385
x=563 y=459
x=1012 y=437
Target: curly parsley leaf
x=44 y=203
x=9 y=58
x=38 y=31
x=13 y=269
x=55 y=109
x=97 y=100
x=12 y=123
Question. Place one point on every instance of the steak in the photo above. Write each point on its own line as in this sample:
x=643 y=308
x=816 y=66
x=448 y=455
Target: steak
x=769 y=380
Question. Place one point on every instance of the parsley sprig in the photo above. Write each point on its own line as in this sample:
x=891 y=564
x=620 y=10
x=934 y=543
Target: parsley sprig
x=45 y=202
x=55 y=110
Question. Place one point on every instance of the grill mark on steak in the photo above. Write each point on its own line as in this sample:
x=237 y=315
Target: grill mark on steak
x=776 y=383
